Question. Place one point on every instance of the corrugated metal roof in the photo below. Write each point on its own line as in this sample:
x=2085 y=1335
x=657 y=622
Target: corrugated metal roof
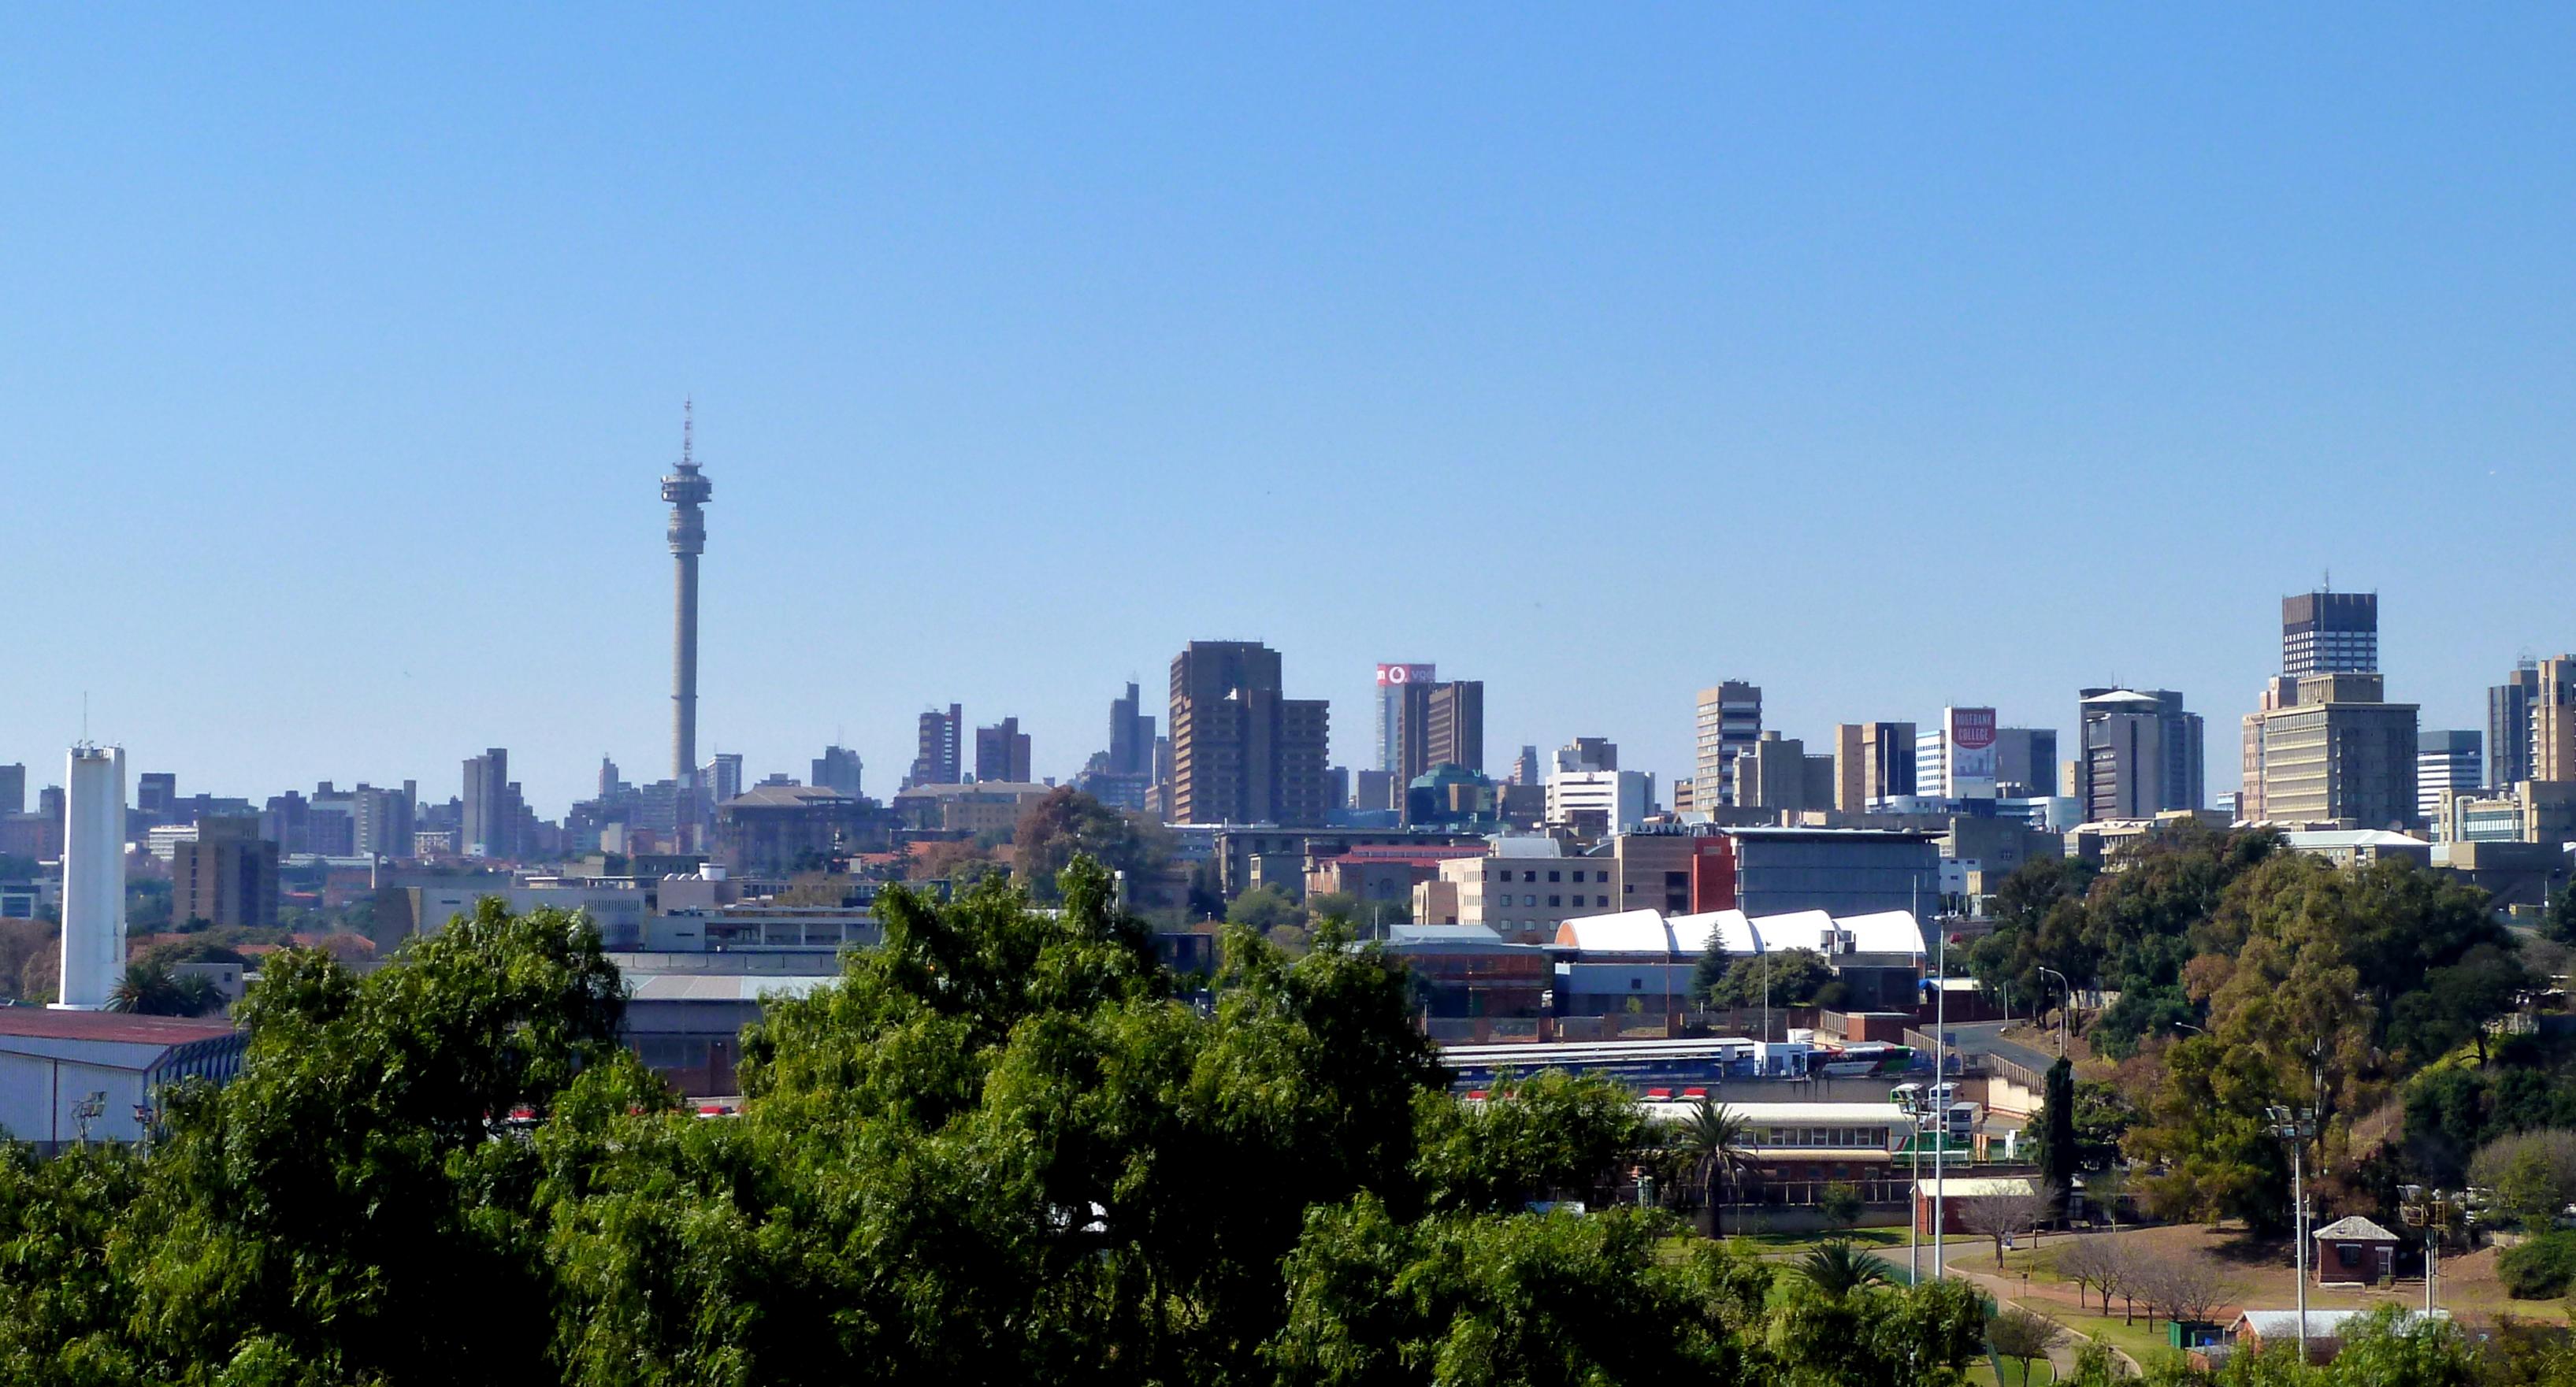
x=112 y=1026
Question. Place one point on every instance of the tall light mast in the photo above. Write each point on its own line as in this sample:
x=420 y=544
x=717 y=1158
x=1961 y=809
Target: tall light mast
x=686 y=491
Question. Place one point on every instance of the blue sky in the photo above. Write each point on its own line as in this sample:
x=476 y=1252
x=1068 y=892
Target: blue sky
x=1885 y=357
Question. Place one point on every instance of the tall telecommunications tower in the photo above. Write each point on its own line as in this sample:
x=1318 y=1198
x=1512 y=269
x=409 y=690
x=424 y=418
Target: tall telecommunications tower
x=686 y=491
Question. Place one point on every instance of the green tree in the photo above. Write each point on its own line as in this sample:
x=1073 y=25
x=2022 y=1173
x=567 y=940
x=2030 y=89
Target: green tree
x=2021 y=1336
x=1840 y=1204
x=1263 y=909
x=2053 y=1131
x=1498 y=1302
x=1547 y=1134
x=1797 y=977
x=2533 y=1175
x=1065 y=823
x=1838 y=1268
x=2558 y=924
x=1719 y=1147
x=150 y=988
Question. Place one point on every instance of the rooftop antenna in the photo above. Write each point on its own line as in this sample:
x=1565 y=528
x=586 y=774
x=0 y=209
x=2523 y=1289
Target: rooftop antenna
x=688 y=428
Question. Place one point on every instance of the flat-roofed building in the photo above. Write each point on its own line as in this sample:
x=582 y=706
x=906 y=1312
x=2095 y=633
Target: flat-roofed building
x=2446 y=762
x=1523 y=889
x=1242 y=751
x=225 y=874
x=2329 y=748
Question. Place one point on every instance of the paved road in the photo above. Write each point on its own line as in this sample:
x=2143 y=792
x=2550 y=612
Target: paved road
x=1986 y=1038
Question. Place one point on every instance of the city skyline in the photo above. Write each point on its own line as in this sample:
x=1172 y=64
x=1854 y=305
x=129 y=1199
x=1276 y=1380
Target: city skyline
x=976 y=332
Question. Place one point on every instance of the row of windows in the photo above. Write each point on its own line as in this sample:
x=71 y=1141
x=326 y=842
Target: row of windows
x=1558 y=902
x=1874 y=1138
x=1603 y=875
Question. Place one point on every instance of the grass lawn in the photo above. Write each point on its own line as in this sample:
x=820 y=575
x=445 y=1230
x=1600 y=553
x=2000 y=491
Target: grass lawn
x=1770 y=1244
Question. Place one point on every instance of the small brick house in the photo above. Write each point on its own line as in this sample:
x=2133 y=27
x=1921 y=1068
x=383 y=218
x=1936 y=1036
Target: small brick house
x=2355 y=1252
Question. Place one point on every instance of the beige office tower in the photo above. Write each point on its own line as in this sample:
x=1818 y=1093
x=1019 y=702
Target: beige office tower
x=2328 y=748
x=1851 y=786
x=2553 y=720
x=1729 y=723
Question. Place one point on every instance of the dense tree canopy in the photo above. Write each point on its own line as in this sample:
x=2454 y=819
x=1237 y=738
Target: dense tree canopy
x=998 y=1149
x=2128 y=930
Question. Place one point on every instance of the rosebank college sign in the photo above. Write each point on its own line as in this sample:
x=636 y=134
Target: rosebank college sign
x=1971 y=736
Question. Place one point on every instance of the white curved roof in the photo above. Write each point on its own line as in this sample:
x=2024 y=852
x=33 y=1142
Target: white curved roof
x=1628 y=932
x=1691 y=932
x=1798 y=929
x=1883 y=932
x=1649 y=932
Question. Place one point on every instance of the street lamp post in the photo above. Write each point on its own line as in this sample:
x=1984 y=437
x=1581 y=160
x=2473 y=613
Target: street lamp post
x=2067 y=991
x=2295 y=1127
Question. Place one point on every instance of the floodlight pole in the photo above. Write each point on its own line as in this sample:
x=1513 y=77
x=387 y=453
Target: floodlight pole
x=2293 y=1126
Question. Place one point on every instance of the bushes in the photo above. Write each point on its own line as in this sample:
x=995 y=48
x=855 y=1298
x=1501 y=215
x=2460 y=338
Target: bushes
x=2539 y=1269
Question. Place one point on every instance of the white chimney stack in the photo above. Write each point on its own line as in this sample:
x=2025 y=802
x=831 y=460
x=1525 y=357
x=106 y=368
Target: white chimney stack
x=93 y=876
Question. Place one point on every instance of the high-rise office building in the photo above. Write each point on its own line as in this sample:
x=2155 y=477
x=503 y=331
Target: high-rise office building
x=837 y=769
x=1777 y=773
x=1131 y=735
x=1956 y=760
x=2553 y=720
x=1438 y=724
x=1729 y=722
x=13 y=788
x=156 y=796
x=2142 y=754
x=382 y=822
x=2025 y=762
x=720 y=779
x=1525 y=766
x=1392 y=681
x=1873 y=761
x=491 y=820
x=2330 y=633
x=2327 y=748
x=1002 y=752
x=1588 y=754
x=226 y=876
x=1454 y=731
x=1242 y=751
x=940 y=755
x=2508 y=749
x=2446 y=762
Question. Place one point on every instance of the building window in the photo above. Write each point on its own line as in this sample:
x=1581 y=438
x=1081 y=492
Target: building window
x=1529 y=900
x=1556 y=876
x=1556 y=902
x=1601 y=901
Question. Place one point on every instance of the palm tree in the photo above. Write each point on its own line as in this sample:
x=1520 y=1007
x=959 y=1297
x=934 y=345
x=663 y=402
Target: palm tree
x=1719 y=1145
x=147 y=989
x=1837 y=1268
